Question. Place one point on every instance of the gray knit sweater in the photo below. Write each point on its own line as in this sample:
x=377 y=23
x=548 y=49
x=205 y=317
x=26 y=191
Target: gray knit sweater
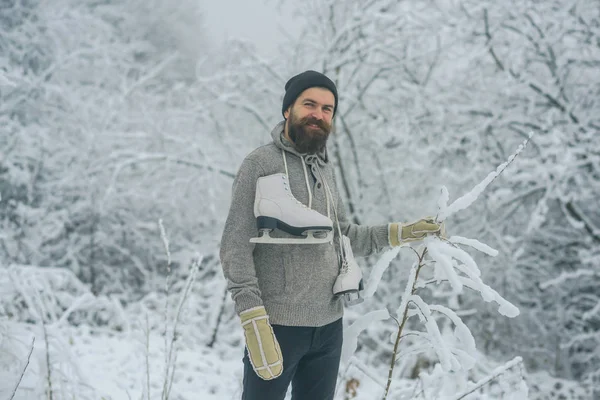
x=293 y=281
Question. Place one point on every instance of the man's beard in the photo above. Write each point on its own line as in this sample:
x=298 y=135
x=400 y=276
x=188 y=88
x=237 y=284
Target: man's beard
x=308 y=140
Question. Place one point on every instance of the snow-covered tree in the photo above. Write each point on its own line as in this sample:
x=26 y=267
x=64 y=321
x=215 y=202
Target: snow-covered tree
x=445 y=269
x=105 y=136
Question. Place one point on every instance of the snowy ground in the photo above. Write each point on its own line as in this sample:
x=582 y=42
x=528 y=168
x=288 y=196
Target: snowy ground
x=117 y=353
x=105 y=365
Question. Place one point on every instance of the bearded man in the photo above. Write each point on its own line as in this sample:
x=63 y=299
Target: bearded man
x=284 y=290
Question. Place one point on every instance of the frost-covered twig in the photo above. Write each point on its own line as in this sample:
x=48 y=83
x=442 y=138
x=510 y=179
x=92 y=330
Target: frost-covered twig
x=165 y=241
x=156 y=70
x=466 y=200
x=147 y=357
x=351 y=333
x=24 y=369
x=378 y=270
x=474 y=243
x=568 y=275
x=213 y=338
x=408 y=292
x=172 y=353
x=48 y=365
x=444 y=254
x=497 y=373
x=342 y=377
x=365 y=370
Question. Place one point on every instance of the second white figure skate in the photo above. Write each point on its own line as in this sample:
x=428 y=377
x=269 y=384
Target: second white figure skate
x=275 y=207
x=349 y=282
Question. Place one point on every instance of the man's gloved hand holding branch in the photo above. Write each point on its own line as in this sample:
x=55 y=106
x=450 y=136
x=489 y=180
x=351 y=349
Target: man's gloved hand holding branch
x=415 y=231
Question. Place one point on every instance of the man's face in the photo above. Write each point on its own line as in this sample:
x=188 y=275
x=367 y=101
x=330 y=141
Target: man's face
x=309 y=119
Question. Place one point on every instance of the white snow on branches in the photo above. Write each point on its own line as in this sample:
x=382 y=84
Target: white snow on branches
x=467 y=199
x=443 y=253
x=378 y=270
x=566 y=276
x=351 y=332
x=474 y=243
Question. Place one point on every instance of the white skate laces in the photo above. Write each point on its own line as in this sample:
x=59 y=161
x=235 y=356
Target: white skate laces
x=286 y=185
x=344 y=267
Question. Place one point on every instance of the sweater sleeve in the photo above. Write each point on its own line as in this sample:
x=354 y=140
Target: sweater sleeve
x=365 y=240
x=236 y=250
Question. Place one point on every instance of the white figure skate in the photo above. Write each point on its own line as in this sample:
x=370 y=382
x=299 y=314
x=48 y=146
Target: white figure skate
x=349 y=282
x=276 y=207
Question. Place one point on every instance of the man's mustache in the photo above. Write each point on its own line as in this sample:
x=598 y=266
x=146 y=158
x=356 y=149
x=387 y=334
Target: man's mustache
x=319 y=122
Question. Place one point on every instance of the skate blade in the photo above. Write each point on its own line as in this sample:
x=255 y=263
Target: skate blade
x=353 y=298
x=265 y=238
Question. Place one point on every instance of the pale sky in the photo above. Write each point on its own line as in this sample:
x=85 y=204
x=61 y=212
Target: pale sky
x=258 y=21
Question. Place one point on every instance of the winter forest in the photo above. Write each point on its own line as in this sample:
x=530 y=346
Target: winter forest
x=123 y=124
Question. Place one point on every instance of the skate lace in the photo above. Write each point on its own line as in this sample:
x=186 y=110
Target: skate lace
x=287 y=183
x=286 y=186
x=343 y=254
x=345 y=267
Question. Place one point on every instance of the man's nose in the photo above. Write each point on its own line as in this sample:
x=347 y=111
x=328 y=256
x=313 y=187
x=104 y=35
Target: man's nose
x=317 y=113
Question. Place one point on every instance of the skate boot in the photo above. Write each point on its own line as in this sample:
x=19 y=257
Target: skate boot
x=275 y=207
x=349 y=282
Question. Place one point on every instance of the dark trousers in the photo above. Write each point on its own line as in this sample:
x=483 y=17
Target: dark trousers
x=311 y=359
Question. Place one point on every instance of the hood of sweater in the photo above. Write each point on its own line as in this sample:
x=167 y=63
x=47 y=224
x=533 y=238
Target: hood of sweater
x=321 y=158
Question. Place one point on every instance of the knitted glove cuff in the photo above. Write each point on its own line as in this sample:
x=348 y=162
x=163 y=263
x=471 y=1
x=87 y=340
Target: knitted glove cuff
x=252 y=313
x=394 y=231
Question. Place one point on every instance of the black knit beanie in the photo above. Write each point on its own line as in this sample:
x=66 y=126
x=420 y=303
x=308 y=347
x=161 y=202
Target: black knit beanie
x=307 y=79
